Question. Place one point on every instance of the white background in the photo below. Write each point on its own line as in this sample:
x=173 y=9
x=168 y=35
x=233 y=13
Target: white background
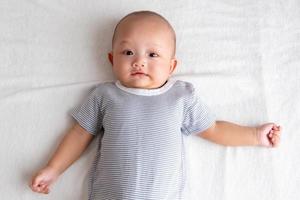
x=242 y=56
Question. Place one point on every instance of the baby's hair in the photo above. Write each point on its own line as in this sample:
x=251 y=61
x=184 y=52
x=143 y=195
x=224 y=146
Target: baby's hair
x=146 y=13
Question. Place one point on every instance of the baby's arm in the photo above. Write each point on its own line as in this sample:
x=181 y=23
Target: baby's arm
x=72 y=146
x=229 y=134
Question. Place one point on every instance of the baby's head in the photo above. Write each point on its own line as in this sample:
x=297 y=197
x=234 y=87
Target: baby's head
x=143 y=50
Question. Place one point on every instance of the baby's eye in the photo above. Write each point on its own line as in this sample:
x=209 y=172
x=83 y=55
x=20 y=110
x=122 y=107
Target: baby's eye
x=128 y=52
x=153 y=55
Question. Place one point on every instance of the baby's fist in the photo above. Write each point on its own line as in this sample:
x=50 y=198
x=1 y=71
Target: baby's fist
x=268 y=135
x=42 y=181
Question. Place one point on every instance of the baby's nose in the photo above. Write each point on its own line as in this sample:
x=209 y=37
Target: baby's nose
x=139 y=62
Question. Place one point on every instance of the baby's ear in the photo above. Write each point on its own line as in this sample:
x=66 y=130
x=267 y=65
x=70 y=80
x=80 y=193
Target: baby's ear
x=110 y=57
x=173 y=65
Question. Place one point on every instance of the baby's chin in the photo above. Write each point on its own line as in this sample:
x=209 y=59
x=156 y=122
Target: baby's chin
x=140 y=84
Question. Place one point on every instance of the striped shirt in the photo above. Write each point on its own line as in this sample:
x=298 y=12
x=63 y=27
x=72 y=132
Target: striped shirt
x=141 y=150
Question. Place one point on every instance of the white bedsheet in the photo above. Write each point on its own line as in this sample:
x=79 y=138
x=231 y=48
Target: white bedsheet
x=243 y=57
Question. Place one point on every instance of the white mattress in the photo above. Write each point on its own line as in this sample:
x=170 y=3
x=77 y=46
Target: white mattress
x=242 y=56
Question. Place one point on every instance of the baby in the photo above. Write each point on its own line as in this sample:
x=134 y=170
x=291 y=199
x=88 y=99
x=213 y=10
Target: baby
x=142 y=119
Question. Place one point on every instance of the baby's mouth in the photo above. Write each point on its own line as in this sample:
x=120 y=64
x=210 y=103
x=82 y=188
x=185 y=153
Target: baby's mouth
x=138 y=74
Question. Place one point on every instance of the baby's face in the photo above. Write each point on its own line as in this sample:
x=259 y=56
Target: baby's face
x=142 y=55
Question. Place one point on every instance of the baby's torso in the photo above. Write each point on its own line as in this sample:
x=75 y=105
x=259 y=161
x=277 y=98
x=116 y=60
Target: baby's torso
x=141 y=148
x=141 y=152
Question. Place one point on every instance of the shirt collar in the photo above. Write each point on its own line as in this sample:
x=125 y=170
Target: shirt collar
x=146 y=92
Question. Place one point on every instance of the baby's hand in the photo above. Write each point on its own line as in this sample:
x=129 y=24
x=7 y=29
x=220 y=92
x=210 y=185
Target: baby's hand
x=268 y=135
x=43 y=180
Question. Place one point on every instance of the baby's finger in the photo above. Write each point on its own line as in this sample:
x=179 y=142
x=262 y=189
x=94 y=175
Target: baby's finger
x=279 y=128
x=38 y=186
x=35 y=186
x=36 y=181
x=275 y=141
x=277 y=133
x=274 y=132
x=275 y=127
x=44 y=187
x=271 y=133
x=37 y=189
x=45 y=190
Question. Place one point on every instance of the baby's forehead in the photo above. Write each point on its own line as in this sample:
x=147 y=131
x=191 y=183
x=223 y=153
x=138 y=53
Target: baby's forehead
x=149 y=44
x=136 y=21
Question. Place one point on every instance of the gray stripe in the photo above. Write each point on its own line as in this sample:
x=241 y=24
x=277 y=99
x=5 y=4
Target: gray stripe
x=141 y=153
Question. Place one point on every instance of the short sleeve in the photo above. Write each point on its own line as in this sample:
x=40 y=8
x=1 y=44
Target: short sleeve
x=197 y=116
x=88 y=114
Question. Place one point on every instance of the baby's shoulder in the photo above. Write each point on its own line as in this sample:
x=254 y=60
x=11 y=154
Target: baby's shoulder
x=184 y=87
x=102 y=89
x=104 y=85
